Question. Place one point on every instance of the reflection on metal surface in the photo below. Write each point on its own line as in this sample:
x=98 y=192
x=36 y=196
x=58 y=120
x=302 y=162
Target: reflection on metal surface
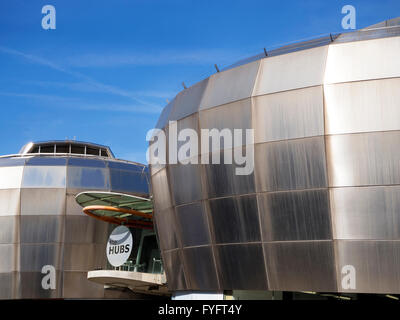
x=362 y=106
x=289 y=115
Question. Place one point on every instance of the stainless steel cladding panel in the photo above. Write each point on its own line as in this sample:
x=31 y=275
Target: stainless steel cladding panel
x=366 y=212
x=289 y=115
x=188 y=101
x=292 y=164
x=231 y=85
x=200 y=266
x=235 y=219
x=295 y=215
x=364 y=159
x=301 y=265
x=244 y=273
x=173 y=265
x=194 y=228
x=376 y=265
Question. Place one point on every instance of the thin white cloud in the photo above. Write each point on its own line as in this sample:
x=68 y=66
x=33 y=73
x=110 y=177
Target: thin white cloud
x=53 y=101
x=88 y=80
x=167 y=57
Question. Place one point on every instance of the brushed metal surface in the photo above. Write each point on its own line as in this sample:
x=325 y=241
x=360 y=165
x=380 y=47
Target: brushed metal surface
x=363 y=60
x=363 y=159
x=201 y=268
x=248 y=272
x=230 y=85
x=41 y=229
x=7 y=281
x=9 y=202
x=72 y=207
x=35 y=201
x=182 y=191
x=291 y=71
x=163 y=120
x=160 y=186
x=235 y=219
x=83 y=229
x=30 y=286
x=235 y=115
x=9 y=229
x=376 y=265
x=188 y=101
x=362 y=106
x=190 y=122
x=8 y=263
x=76 y=285
x=11 y=177
x=291 y=164
x=167 y=228
x=173 y=265
x=288 y=115
x=34 y=256
x=222 y=180
x=366 y=212
x=295 y=215
x=301 y=266
x=193 y=224
x=83 y=257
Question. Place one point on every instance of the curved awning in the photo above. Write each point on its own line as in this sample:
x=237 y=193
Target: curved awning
x=117 y=208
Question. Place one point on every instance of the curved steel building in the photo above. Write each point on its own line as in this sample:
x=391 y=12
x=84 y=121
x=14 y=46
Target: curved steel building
x=41 y=223
x=325 y=191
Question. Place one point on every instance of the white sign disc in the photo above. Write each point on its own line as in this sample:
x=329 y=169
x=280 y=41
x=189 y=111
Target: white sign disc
x=119 y=246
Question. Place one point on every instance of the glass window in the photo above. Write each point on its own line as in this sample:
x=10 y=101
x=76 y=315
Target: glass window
x=62 y=148
x=104 y=153
x=125 y=166
x=35 y=150
x=47 y=148
x=83 y=178
x=128 y=181
x=77 y=149
x=92 y=151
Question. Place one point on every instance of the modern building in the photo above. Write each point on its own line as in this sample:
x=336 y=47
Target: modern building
x=320 y=212
x=42 y=228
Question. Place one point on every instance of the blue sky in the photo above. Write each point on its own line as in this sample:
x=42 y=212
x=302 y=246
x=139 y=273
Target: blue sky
x=106 y=71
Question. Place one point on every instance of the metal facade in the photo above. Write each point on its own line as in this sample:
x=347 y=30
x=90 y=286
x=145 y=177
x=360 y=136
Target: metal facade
x=41 y=223
x=325 y=188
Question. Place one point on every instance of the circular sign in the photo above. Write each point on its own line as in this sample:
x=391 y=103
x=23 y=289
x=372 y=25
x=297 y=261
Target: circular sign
x=119 y=246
